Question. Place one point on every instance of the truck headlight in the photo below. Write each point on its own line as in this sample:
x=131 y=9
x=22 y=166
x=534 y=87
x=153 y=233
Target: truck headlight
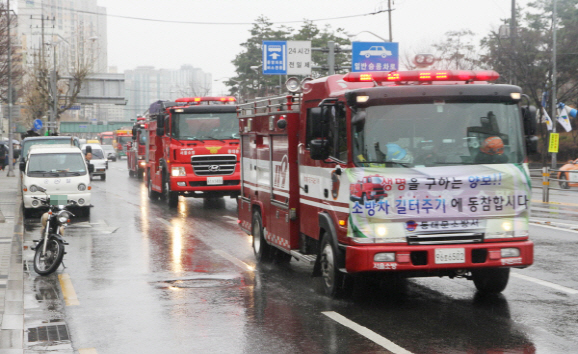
x=510 y=252
x=82 y=187
x=178 y=171
x=33 y=188
x=384 y=257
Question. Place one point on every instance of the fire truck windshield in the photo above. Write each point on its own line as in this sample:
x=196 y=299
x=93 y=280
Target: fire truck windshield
x=205 y=126
x=437 y=134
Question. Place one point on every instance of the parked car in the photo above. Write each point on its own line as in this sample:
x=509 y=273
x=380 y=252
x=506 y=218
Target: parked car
x=60 y=169
x=109 y=152
x=98 y=160
x=566 y=178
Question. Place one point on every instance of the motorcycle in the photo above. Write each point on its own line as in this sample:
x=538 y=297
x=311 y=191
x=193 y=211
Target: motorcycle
x=49 y=250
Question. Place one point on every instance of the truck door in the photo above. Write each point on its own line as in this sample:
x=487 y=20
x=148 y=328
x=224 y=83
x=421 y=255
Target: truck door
x=279 y=228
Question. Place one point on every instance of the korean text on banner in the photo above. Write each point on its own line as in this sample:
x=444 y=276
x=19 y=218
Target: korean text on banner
x=554 y=142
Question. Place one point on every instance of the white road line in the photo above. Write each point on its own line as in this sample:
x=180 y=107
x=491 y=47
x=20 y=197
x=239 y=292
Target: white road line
x=546 y=283
x=168 y=223
x=230 y=217
x=555 y=228
x=235 y=260
x=367 y=333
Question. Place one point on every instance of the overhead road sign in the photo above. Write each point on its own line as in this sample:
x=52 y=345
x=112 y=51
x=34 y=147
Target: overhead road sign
x=37 y=124
x=374 y=56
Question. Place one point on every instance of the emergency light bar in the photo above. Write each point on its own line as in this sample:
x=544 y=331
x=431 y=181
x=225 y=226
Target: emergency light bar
x=204 y=99
x=422 y=76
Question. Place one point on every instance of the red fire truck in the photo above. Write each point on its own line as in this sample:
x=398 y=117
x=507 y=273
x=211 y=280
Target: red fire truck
x=136 y=151
x=193 y=149
x=449 y=149
x=121 y=138
x=105 y=138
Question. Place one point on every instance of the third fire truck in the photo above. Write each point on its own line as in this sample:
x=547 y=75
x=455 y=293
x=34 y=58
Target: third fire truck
x=136 y=151
x=193 y=149
x=392 y=174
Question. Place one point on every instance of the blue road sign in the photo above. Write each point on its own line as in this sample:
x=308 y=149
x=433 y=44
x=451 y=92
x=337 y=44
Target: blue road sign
x=274 y=57
x=374 y=56
x=37 y=124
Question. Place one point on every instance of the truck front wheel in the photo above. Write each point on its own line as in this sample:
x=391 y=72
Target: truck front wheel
x=333 y=279
x=172 y=198
x=491 y=280
x=261 y=248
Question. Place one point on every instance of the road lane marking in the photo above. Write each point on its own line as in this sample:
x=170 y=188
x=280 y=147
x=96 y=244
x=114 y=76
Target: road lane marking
x=168 y=223
x=367 y=333
x=87 y=351
x=554 y=227
x=235 y=260
x=546 y=283
x=68 y=292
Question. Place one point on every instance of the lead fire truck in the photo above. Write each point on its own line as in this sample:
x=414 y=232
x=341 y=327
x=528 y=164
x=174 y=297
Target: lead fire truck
x=121 y=138
x=193 y=149
x=445 y=152
x=136 y=151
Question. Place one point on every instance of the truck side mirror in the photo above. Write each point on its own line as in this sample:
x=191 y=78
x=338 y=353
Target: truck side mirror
x=315 y=122
x=22 y=166
x=160 y=126
x=319 y=149
x=531 y=144
x=529 y=119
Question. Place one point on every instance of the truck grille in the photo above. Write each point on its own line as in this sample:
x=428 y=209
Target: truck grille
x=445 y=238
x=214 y=165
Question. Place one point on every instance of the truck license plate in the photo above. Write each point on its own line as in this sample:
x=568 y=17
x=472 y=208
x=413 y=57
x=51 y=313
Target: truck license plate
x=450 y=255
x=211 y=181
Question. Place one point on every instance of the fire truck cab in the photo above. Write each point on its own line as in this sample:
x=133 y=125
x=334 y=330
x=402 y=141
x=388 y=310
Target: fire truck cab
x=193 y=149
x=434 y=206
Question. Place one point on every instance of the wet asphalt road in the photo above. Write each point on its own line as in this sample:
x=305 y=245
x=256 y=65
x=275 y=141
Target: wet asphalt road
x=141 y=278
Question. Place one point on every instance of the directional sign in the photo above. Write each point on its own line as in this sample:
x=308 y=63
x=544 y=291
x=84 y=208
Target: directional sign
x=37 y=124
x=374 y=56
x=274 y=57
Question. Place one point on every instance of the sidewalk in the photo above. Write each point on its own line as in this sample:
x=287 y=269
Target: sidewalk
x=11 y=268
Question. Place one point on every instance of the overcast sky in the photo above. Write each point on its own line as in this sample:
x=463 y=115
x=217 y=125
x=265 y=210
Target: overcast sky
x=212 y=47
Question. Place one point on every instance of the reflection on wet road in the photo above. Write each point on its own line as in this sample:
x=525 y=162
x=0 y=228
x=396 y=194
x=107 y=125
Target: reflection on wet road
x=152 y=280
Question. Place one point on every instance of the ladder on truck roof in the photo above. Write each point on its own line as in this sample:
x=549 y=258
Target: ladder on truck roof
x=270 y=105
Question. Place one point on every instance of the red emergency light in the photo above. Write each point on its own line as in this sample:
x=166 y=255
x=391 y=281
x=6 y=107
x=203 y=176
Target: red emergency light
x=206 y=99
x=423 y=76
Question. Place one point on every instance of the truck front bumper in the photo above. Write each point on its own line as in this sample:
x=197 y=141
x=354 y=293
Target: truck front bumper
x=421 y=259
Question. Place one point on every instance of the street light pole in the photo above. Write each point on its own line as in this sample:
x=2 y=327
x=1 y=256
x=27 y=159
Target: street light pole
x=554 y=113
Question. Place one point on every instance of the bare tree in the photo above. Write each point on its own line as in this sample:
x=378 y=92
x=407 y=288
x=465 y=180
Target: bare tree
x=39 y=96
x=16 y=56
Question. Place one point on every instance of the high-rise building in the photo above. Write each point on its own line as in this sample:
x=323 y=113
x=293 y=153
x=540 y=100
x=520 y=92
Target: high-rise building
x=145 y=84
x=75 y=29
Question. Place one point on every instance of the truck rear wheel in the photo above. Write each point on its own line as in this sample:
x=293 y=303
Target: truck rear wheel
x=261 y=248
x=491 y=280
x=152 y=194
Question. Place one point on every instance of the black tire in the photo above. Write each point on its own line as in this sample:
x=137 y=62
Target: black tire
x=85 y=211
x=491 y=280
x=52 y=259
x=140 y=174
x=171 y=198
x=563 y=182
x=363 y=199
x=153 y=195
x=103 y=177
x=261 y=248
x=333 y=280
x=27 y=212
x=130 y=173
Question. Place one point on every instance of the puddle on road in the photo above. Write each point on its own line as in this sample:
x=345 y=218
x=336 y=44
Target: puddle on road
x=199 y=283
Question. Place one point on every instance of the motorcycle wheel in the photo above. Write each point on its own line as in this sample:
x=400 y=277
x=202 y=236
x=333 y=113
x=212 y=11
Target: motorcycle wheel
x=52 y=259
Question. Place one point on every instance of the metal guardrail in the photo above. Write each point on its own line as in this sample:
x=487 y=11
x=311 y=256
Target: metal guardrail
x=547 y=176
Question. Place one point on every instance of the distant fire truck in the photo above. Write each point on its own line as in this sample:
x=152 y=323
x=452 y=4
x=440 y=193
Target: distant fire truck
x=121 y=138
x=105 y=138
x=401 y=174
x=193 y=149
x=136 y=152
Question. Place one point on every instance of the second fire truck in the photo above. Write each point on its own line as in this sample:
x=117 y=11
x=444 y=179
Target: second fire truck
x=136 y=152
x=193 y=149
x=392 y=174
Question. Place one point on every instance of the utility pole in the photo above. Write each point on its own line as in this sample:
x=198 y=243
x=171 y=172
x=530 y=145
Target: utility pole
x=554 y=103
x=10 y=129
x=389 y=14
